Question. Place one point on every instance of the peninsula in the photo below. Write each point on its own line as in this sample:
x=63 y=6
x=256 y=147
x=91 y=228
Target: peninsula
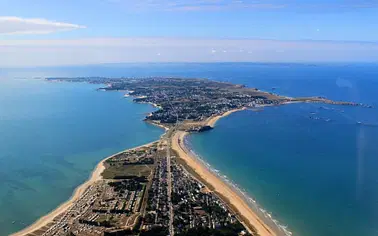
x=161 y=188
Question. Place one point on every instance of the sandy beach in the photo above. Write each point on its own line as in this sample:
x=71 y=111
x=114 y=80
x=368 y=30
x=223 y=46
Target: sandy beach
x=159 y=125
x=222 y=188
x=219 y=186
x=212 y=120
x=95 y=176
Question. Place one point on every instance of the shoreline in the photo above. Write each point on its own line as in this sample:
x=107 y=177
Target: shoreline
x=96 y=175
x=198 y=165
x=249 y=217
x=263 y=215
x=213 y=120
x=227 y=191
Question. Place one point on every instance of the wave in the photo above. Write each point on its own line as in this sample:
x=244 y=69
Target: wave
x=261 y=212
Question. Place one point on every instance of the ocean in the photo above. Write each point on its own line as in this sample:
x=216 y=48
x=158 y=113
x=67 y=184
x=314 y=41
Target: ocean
x=52 y=135
x=312 y=166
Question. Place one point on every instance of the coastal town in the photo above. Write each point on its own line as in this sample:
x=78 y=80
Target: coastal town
x=192 y=101
x=161 y=188
x=132 y=199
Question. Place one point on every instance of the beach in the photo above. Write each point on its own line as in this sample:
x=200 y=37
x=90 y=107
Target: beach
x=230 y=195
x=213 y=120
x=284 y=143
x=250 y=218
x=95 y=176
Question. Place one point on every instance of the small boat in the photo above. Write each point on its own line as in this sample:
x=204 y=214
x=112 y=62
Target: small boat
x=359 y=122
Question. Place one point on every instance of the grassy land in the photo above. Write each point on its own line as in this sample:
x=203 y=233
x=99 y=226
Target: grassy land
x=111 y=172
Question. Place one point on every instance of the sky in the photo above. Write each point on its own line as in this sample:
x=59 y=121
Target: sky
x=76 y=32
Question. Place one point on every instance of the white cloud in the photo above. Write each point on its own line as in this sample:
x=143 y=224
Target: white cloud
x=17 y=25
x=20 y=53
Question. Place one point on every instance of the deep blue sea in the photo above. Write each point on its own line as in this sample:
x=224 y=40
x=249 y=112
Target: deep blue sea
x=311 y=165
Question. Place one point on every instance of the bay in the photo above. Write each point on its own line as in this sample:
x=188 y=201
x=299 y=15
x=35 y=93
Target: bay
x=312 y=166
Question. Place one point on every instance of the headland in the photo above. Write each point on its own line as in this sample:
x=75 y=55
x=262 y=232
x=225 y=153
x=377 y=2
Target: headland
x=140 y=190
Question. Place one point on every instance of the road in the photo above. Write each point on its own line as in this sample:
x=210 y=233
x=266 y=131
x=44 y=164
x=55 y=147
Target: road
x=168 y=136
x=171 y=230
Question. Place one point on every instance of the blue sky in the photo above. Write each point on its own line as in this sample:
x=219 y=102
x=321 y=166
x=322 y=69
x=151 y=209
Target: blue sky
x=217 y=30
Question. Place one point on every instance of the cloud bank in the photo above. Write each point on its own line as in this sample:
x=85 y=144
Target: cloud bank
x=20 y=53
x=17 y=25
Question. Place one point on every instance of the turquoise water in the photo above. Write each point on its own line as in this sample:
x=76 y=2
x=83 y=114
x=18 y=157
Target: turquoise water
x=317 y=177
x=51 y=137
